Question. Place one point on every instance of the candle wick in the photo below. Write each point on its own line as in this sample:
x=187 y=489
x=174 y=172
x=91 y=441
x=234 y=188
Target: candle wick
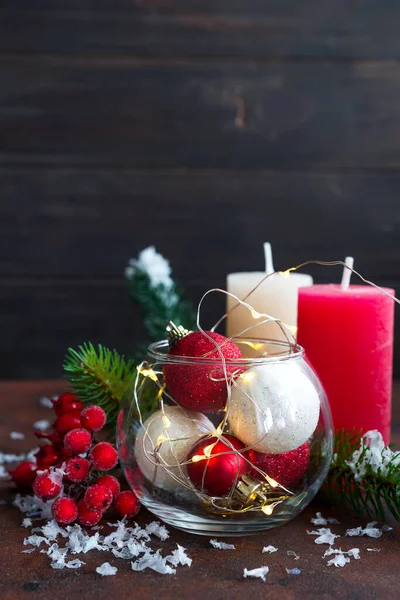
x=347 y=270
x=269 y=265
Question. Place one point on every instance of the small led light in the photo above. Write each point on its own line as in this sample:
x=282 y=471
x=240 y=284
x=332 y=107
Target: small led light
x=148 y=373
x=268 y=509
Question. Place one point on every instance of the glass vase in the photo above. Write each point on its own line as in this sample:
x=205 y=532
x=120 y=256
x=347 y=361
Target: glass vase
x=219 y=446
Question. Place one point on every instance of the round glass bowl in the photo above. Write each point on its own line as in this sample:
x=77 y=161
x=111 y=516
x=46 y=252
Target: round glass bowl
x=226 y=446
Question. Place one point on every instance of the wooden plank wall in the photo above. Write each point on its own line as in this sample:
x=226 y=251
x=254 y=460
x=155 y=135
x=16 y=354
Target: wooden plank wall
x=203 y=127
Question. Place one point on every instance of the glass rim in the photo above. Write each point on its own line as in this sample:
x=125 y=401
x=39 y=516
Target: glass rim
x=293 y=351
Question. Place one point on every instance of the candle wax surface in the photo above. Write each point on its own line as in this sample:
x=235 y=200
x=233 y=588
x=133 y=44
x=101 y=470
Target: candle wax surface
x=347 y=335
x=276 y=296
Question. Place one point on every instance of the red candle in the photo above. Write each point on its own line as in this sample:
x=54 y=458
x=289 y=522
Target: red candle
x=347 y=333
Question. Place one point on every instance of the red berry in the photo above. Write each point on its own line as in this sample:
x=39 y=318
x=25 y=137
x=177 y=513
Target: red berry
x=126 y=504
x=111 y=483
x=47 y=456
x=66 y=403
x=86 y=516
x=47 y=486
x=93 y=418
x=98 y=497
x=54 y=438
x=65 y=510
x=77 y=469
x=104 y=456
x=68 y=421
x=77 y=441
x=24 y=474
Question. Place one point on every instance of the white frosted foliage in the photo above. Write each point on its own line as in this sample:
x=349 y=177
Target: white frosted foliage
x=173 y=432
x=274 y=408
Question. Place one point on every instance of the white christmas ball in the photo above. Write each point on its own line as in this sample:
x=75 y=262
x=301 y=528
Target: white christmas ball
x=274 y=408
x=172 y=432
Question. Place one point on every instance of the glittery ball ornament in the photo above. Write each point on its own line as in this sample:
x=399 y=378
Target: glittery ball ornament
x=215 y=465
x=197 y=386
x=274 y=408
x=163 y=443
x=287 y=469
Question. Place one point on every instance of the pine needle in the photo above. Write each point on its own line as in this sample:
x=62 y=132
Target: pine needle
x=99 y=376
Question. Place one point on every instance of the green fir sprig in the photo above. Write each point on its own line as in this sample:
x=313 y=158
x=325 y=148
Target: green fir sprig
x=364 y=474
x=99 y=376
x=152 y=288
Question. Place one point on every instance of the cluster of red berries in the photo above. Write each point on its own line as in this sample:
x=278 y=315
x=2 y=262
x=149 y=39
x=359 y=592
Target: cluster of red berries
x=66 y=464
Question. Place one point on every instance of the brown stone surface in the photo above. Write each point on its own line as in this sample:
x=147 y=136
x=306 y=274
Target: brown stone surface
x=215 y=574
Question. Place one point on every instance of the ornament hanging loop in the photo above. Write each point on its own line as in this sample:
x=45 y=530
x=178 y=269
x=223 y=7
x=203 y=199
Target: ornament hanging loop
x=175 y=333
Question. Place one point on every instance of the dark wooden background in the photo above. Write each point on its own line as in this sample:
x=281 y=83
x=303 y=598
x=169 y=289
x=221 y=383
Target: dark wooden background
x=203 y=127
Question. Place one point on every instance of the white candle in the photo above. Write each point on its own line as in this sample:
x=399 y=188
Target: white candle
x=276 y=296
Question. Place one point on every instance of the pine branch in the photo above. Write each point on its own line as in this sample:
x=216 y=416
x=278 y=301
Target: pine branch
x=102 y=377
x=366 y=479
x=152 y=288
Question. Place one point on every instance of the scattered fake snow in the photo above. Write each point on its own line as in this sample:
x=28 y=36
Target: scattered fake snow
x=41 y=425
x=124 y=542
x=269 y=549
x=293 y=571
x=261 y=572
x=325 y=536
x=221 y=545
x=319 y=520
x=16 y=435
x=370 y=530
x=372 y=454
x=46 y=402
x=293 y=553
x=106 y=569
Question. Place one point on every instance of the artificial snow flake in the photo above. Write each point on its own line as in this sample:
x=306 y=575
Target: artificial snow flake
x=373 y=550
x=154 y=265
x=4 y=474
x=41 y=425
x=370 y=530
x=319 y=520
x=270 y=549
x=52 y=529
x=74 y=564
x=106 y=569
x=261 y=572
x=372 y=454
x=29 y=550
x=155 y=562
x=221 y=545
x=35 y=540
x=354 y=552
x=293 y=553
x=46 y=402
x=91 y=543
x=16 y=435
x=155 y=528
x=325 y=536
x=33 y=506
x=26 y=522
x=293 y=571
x=179 y=557
x=339 y=560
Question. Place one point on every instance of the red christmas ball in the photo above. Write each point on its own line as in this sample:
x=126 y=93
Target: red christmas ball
x=214 y=467
x=287 y=469
x=199 y=387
